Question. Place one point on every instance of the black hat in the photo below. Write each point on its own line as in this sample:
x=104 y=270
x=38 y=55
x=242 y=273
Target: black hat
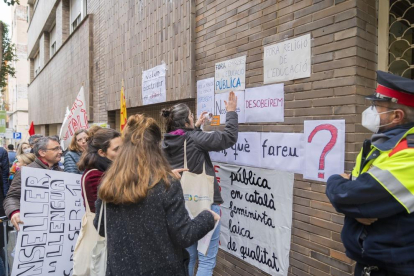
x=394 y=89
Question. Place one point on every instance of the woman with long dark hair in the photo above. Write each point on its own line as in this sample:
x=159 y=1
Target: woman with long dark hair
x=180 y=127
x=102 y=148
x=147 y=224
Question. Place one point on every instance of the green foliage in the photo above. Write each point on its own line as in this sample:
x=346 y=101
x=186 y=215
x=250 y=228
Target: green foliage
x=8 y=57
x=11 y=2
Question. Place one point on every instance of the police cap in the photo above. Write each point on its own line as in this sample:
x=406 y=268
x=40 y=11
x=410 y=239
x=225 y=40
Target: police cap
x=394 y=89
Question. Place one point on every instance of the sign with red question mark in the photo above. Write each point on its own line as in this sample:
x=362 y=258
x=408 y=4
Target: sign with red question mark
x=325 y=149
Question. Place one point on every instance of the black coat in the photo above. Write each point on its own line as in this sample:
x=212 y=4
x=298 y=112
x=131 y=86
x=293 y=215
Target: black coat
x=199 y=143
x=150 y=237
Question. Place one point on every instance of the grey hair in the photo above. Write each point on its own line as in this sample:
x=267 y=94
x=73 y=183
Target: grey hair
x=33 y=139
x=42 y=143
x=408 y=112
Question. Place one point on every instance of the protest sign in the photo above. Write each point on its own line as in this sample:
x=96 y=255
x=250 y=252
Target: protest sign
x=256 y=216
x=51 y=208
x=220 y=106
x=75 y=118
x=230 y=75
x=205 y=96
x=287 y=60
x=283 y=151
x=153 y=85
x=325 y=149
x=246 y=151
x=264 y=104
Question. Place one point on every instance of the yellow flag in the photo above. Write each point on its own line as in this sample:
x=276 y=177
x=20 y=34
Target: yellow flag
x=123 y=108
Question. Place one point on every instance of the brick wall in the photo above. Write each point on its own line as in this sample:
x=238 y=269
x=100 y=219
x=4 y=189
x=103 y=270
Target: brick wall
x=344 y=61
x=131 y=37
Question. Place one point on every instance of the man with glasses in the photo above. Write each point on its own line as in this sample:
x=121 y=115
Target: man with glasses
x=378 y=198
x=48 y=153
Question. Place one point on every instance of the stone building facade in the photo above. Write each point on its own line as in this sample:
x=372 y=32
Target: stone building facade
x=117 y=40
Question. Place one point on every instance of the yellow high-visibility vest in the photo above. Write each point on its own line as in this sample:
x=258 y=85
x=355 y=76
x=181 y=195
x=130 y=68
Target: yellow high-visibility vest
x=393 y=169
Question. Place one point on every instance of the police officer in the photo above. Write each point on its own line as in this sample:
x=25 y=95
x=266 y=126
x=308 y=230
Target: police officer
x=378 y=198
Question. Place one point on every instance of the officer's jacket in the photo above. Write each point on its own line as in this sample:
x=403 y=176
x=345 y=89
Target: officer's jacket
x=382 y=186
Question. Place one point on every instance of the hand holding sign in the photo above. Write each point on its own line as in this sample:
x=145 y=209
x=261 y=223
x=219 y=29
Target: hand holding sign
x=232 y=104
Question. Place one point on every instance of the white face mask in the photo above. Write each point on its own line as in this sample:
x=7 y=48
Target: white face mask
x=27 y=150
x=371 y=119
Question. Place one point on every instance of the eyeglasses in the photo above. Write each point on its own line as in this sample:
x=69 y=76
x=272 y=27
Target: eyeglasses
x=375 y=104
x=55 y=149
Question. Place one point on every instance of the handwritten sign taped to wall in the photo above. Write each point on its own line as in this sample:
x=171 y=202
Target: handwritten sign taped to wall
x=246 y=151
x=278 y=151
x=283 y=151
x=230 y=75
x=265 y=104
x=153 y=85
x=325 y=149
x=256 y=216
x=51 y=208
x=220 y=106
x=205 y=96
x=287 y=60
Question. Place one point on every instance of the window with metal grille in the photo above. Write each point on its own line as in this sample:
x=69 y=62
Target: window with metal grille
x=396 y=37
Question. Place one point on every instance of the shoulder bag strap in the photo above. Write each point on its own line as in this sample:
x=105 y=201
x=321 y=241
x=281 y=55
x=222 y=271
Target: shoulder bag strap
x=88 y=209
x=185 y=154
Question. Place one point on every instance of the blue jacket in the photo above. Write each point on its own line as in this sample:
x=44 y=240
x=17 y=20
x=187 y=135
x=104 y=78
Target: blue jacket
x=4 y=167
x=389 y=242
x=71 y=159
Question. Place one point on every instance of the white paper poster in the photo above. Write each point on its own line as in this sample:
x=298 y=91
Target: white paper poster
x=265 y=104
x=246 y=151
x=153 y=85
x=205 y=96
x=325 y=149
x=230 y=75
x=283 y=151
x=220 y=107
x=256 y=216
x=75 y=118
x=51 y=208
x=287 y=60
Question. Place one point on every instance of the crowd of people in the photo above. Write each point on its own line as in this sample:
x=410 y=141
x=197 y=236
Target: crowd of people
x=136 y=174
x=133 y=178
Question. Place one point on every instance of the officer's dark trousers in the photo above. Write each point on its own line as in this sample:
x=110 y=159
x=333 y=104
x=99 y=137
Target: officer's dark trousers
x=359 y=268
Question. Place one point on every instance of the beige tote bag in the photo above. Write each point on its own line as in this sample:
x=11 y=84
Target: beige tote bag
x=198 y=188
x=87 y=239
x=99 y=252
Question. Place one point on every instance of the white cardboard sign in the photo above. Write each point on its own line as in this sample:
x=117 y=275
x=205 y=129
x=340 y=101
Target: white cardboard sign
x=287 y=60
x=246 y=151
x=325 y=149
x=75 y=118
x=256 y=216
x=220 y=107
x=265 y=104
x=283 y=151
x=51 y=208
x=153 y=85
x=230 y=75
x=205 y=96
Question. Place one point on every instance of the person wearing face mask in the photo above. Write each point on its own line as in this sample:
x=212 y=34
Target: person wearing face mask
x=23 y=148
x=75 y=149
x=378 y=197
x=102 y=149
